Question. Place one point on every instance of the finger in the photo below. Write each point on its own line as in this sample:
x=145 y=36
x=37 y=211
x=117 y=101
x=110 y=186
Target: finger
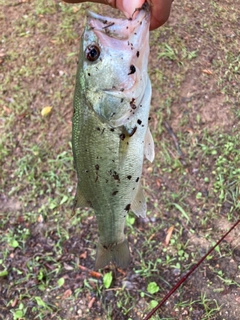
x=160 y=13
x=128 y=7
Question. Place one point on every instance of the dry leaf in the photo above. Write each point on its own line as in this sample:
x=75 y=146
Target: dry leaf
x=121 y=271
x=46 y=111
x=67 y=266
x=158 y=183
x=152 y=236
x=67 y=294
x=91 y=302
x=83 y=255
x=92 y=273
x=22 y=116
x=169 y=234
x=95 y=274
x=75 y=9
x=14 y=302
x=40 y=219
x=6 y=109
x=207 y=71
x=20 y=219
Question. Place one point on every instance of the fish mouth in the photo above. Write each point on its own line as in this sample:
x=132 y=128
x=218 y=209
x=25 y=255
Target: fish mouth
x=121 y=29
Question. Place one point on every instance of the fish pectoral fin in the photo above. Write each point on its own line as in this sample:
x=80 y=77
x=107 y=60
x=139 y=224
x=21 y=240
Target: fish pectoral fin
x=79 y=200
x=139 y=206
x=118 y=254
x=123 y=149
x=149 y=146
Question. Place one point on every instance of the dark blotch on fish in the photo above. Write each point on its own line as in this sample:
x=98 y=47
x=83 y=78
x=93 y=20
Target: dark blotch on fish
x=132 y=105
x=122 y=136
x=137 y=179
x=129 y=177
x=133 y=131
x=97 y=167
x=139 y=121
x=116 y=176
x=138 y=53
x=132 y=69
x=112 y=129
x=128 y=206
x=114 y=193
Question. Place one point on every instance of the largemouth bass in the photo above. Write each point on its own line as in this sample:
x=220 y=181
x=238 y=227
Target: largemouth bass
x=110 y=126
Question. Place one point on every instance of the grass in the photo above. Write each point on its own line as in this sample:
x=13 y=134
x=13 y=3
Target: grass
x=194 y=188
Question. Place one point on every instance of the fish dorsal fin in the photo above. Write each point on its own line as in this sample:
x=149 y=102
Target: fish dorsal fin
x=138 y=205
x=79 y=200
x=149 y=146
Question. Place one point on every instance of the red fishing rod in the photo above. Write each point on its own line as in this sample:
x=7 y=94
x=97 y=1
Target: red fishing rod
x=183 y=279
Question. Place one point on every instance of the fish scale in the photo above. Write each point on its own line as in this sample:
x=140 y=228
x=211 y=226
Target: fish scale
x=110 y=127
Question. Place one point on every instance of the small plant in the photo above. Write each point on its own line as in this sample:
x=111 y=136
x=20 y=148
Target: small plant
x=152 y=288
x=107 y=279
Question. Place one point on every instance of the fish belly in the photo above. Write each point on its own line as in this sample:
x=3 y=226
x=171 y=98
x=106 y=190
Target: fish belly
x=109 y=166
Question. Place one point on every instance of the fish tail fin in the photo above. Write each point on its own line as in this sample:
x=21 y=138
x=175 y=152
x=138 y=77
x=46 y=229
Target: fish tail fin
x=118 y=254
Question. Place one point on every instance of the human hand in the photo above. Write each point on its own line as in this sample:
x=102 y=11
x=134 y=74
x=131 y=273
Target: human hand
x=160 y=8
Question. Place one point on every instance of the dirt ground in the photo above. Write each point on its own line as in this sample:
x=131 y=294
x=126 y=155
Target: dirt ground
x=192 y=187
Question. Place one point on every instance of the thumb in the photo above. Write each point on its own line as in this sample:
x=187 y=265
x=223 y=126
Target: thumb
x=128 y=7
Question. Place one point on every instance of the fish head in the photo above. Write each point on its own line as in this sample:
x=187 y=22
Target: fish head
x=114 y=58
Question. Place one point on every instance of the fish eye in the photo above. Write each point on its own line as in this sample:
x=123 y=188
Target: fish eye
x=92 y=52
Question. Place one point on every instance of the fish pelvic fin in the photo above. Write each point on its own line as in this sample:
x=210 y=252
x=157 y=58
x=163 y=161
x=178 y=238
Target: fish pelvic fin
x=149 y=146
x=118 y=254
x=139 y=206
x=79 y=200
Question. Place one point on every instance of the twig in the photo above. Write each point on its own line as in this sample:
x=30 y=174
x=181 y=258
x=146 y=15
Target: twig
x=175 y=140
x=183 y=279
